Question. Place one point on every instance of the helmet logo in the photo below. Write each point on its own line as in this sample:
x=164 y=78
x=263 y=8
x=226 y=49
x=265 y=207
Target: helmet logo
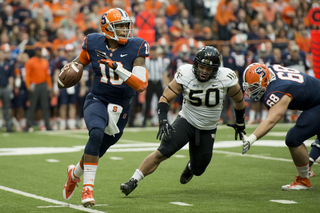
x=261 y=72
x=104 y=19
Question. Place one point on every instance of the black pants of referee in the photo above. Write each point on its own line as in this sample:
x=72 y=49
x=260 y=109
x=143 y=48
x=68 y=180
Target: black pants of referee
x=153 y=87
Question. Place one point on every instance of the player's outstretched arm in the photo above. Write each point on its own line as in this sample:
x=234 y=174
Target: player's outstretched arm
x=235 y=93
x=276 y=112
x=169 y=94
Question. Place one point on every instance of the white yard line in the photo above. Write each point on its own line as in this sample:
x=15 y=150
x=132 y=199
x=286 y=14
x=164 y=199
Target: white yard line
x=50 y=200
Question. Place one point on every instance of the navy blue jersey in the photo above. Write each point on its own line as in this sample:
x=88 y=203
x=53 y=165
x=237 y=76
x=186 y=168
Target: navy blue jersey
x=106 y=85
x=302 y=88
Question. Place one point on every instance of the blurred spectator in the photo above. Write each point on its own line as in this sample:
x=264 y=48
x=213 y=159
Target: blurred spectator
x=207 y=34
x=304 y=41
x=176 y=29
x=6 y=87
x=94 y=15
x=172 y=8
x=33 y=31
x=38 y=82
x=224 y=16
x=102 y=7
x=18 y=103
x=261 y=20
x=259 y=5
x=14 y=35
x=43 y=41
x=67 y=97
x=277 y=56
x=186 y=17
x=25 y=36
x=270 y=33
x=60 y=11
x=253 y=35
x=40 y=7
x=293 y=28
x=295 y=60
x=280 y=5
x=69 y=28
x=290 y=11
x=51 y=31
x=22 y=14
x=240 y=25
x=61 y=41
x=78 y=41
x=239 y=53
x=153 y=6
x=8 y=18
x=251 y=12
x=264 y=54
x=158 y=76
x=270 y=11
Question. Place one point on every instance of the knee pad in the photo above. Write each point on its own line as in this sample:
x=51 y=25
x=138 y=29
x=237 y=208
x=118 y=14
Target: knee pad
x=94 y=142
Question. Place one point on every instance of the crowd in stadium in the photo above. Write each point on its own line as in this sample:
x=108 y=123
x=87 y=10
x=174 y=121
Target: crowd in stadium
x=244 y=31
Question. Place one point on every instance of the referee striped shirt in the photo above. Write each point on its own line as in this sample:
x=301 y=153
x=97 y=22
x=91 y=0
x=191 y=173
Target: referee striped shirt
x=155 y=68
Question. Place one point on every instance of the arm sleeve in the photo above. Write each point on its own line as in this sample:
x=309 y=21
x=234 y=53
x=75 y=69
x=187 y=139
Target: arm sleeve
x=138 y=80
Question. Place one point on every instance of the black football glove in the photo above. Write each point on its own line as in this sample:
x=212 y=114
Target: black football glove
x=239 y=130
x=164 y=129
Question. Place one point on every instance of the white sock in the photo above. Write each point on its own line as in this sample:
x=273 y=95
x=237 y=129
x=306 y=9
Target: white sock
x=303 y=171
x=78 y=171
x=264 y=114
x=71 y=123
x=138 y=175
x=252 y=115
x=90 y=170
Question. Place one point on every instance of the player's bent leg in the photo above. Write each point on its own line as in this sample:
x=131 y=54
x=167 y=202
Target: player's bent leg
x=70 y=184
x=149 y=165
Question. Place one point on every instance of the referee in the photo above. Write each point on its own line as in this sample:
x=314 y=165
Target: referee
x=157 y=74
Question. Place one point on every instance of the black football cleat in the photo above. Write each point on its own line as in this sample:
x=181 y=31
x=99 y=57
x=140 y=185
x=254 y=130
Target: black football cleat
x=186 y=175
x=129 y=186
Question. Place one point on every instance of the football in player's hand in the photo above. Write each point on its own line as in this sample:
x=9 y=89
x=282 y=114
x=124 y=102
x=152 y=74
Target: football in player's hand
x=70 y=75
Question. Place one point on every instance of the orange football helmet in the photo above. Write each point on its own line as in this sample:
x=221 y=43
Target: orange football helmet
x=256 y=79
x=109 y=21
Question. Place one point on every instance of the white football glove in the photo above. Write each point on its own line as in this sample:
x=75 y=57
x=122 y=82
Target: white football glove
x=247 y=142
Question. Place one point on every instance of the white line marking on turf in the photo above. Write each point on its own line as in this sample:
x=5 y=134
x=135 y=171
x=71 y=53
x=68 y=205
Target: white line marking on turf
x=179 y=156
x=284 y=201
x=181 y=204
x=116 y=158
x=50 y=200
x=67 y=206
x=252 y=156
x=52 y=160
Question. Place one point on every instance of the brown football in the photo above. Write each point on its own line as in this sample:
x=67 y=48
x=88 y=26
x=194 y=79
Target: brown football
x=70 y=75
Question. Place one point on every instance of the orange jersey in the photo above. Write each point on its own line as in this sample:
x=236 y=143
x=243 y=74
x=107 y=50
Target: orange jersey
x=224 y=13
x=286 y=18
x=56 y=7
x=153 y=8
x=57 y=43
x=37 y=71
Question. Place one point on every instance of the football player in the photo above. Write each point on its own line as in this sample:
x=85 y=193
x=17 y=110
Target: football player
x=283 y=88
x=118 y=62
x=204 y=86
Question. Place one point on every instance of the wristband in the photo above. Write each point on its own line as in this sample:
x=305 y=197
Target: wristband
x=252 y=138
x=240 y=115
x=163 y=109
